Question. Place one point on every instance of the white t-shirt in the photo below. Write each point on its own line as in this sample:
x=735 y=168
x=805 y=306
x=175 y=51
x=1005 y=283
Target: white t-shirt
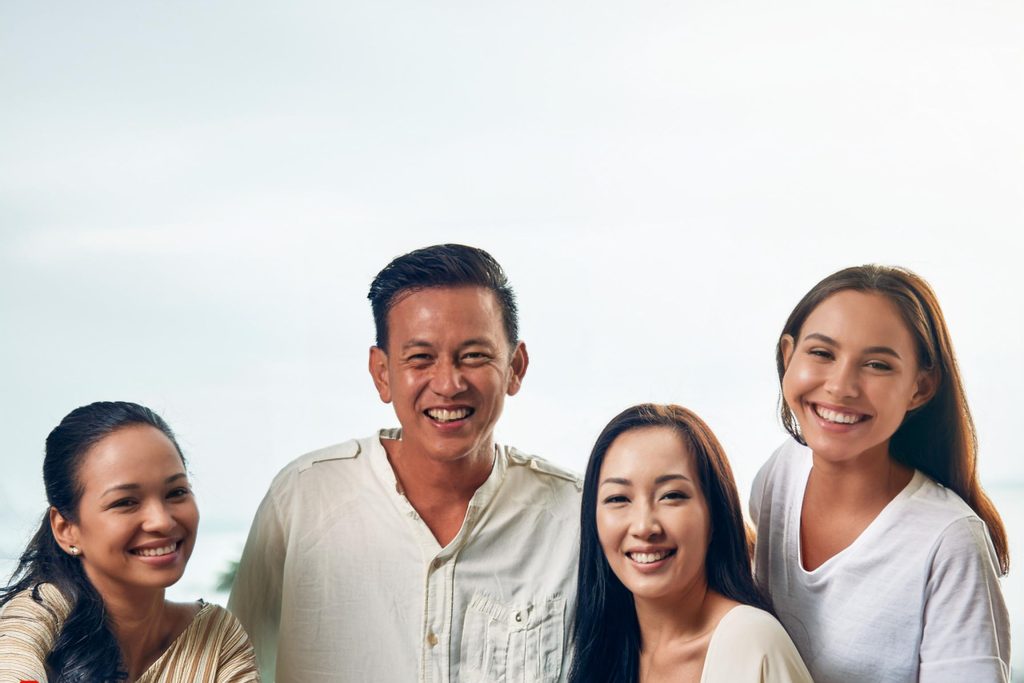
x=341 y=580
x=750 y=646
x=915 y=597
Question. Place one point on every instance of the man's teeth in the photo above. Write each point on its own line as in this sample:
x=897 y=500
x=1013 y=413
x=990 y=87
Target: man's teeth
x=154 y=552
x=442 y=415
x=841 y=418
x=648 y=558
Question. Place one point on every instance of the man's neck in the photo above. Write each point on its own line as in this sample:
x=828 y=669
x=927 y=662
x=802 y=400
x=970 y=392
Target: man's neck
x=439 y=491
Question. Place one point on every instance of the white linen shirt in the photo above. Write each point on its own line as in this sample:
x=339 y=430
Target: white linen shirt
x=341 y=580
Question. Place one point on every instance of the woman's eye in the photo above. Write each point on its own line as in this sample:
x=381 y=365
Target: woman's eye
x=820 y=353
x=878 y=365
x=616 y=499
x=179 y=492
x=123 y=503
x=675 y=495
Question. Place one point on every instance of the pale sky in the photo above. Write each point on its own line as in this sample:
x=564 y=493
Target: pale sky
x=194 y=197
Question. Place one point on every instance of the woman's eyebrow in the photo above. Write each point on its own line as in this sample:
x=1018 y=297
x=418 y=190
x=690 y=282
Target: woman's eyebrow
x=887 y=350
x=135 y=487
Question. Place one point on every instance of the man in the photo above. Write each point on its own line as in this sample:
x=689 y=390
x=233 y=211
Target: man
x=426 y=553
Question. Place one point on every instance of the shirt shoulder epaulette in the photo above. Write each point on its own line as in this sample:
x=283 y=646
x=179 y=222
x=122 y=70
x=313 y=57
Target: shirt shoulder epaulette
x=341 y=451
x=537 y=464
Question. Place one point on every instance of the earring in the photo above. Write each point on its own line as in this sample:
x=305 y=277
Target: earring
x=74 y=550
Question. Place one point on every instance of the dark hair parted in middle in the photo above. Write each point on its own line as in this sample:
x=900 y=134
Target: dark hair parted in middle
x=441 y=265
x=607 y=645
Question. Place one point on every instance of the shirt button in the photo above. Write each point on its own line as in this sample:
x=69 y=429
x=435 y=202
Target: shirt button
x=432 y=638
x=519 y=616
x=437 y=563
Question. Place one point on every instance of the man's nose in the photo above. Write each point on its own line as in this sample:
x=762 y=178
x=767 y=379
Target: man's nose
x=447 y=379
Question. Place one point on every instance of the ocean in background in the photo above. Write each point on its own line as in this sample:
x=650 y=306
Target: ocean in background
x=217 y=548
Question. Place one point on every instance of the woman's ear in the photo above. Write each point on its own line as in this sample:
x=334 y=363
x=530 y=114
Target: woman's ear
x=927 y=385
x=64 y=530
x=787 y=345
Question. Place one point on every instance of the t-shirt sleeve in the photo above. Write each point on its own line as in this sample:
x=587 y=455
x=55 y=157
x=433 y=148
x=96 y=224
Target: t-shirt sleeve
x=256 y=594
x=28 y=630
x=966 y=634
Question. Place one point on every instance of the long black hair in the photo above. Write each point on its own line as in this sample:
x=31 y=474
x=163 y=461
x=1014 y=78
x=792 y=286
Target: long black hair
x=85 y=650
x=937 y=438
x=607 y=645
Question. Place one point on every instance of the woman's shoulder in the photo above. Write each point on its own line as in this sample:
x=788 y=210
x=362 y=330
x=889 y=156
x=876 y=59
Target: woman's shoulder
x=214 y=647
x=780 y=476
x=44 y=600
x=751 y=625
x=750 y=645
x=215 y=621
x=29 y=624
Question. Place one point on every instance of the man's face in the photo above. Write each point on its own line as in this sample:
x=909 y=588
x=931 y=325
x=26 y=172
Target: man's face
x=447 y=369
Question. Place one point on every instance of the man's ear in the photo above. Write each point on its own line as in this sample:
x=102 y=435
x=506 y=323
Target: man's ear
x=63 y=529
x=927 y=385
x=379 y=373
x=520 y=361
x=787 y=345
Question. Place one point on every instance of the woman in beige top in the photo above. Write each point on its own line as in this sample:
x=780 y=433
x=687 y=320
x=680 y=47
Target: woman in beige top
x=665 y=587
x=86 y=602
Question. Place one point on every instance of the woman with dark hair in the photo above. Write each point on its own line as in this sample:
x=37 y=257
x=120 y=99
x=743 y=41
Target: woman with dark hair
x=878 y=546
x=665 y=586
x=86 y=602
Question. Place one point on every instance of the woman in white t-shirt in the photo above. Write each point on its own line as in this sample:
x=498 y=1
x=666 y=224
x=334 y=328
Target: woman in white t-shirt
x=876 y=543
x=665 y=587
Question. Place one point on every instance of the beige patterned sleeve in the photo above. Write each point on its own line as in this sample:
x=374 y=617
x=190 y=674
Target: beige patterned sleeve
x=27 y=632
x=237 y=660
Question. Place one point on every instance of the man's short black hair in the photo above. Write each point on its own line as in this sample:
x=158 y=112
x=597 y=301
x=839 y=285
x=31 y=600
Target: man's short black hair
x=441 y=265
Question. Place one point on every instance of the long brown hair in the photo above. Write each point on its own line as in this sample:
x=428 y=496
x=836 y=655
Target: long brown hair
x=937 y=438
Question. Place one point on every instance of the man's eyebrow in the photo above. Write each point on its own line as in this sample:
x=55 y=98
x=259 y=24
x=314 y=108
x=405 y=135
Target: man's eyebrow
x=136 y=487
x=415 y=342
x=887 y=350
x=477 y=342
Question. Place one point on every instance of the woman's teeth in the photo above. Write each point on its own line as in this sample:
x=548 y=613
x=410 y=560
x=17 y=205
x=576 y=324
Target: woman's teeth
x=155 y=552
x=648 y=558
x=840 y=418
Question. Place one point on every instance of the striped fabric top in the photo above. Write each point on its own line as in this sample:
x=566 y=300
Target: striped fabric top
x=213 y=648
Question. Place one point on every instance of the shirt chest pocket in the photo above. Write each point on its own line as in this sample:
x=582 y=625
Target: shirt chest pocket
x=512 y=643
